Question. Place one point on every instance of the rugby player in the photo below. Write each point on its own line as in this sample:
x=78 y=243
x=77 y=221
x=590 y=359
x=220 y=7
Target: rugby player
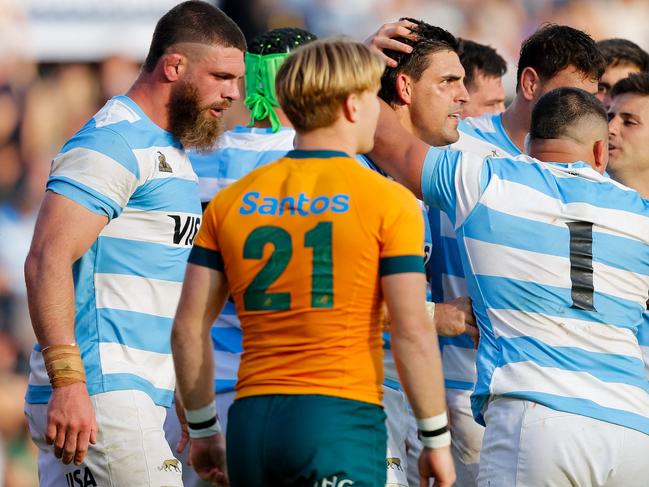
x=551 y=57
x=108 y=256
x=623 y=58
x=425 y=90
x=308 y=405
x=628 y=130
x=484 y=69
x=561 y=385
x=240 y=151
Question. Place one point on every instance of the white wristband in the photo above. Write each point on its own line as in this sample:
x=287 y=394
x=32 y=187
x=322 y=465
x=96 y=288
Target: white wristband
x=433 y=423
x=203 y=422
x=433 y=431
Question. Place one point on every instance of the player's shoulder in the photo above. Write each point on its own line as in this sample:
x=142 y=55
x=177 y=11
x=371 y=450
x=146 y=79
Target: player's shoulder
x=486 y=136
x=482 y=124
x=122 y=132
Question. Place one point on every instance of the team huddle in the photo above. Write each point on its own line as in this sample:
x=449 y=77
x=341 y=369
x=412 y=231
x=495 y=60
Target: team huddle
x=387 y=279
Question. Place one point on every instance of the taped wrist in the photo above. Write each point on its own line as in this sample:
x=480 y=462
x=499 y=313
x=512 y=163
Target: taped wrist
x=63 y=364
x=430 y=308
x=203 y=422
x=433 y=432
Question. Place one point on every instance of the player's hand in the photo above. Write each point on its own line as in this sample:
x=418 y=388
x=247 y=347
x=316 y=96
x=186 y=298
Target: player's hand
x=386 y=38
x=208 y=459
x=456 y=317
x=184 y=429
x=436 y=463
x=71 y=423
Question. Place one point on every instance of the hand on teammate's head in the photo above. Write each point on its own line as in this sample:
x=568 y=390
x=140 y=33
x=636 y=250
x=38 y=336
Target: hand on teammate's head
x=386 y=37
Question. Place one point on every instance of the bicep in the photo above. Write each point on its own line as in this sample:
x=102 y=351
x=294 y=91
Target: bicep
x=451 y=180
x=405 y=295
x=65 y=227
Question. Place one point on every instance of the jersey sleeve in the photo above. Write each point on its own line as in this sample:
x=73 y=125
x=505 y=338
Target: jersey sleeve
x=402 y=236
x=206 y=251
x=453 y=181
x=96 y=169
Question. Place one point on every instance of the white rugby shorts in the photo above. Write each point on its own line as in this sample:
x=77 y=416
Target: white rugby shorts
x=528 y=444
x=131 y=450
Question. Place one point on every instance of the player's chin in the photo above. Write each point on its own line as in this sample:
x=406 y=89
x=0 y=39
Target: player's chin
x=451 y=134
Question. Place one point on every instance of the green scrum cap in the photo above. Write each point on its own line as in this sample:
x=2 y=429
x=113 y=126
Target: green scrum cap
x=263 y=59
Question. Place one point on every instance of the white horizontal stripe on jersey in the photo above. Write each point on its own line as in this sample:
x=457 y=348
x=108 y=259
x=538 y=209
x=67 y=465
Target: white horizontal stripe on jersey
x=528 y=376
x=149 y=161
x=150 y=226
x=453 y=287
x=226 y=365
x=621 y=283
x=90 y=167
x=551 y=270
x=157 y=368
x=487 y=260
x=585 y=335
x=526 y=202
x=467 y=186
x=459 y=363
x=115 y=111
x=473 y=145
x=132 y=293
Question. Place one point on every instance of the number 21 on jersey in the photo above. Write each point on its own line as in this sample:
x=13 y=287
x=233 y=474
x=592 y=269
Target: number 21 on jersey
x=255 y=297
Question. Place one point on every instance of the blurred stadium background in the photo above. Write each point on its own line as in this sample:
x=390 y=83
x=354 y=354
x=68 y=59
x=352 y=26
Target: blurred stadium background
x=61 y=59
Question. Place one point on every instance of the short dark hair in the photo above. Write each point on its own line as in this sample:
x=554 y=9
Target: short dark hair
x=559 y=109
x=281 y=40
x=480 y=58
x=623 y=51
x=553 y=48
x=193 y=21
x=636 y=84
x=430 y=39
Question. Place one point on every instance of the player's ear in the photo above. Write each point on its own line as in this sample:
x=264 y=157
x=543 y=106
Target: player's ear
x=173 y=66
x=350 y=107
x=600 y=155
x=529 y=83
x=403 y=85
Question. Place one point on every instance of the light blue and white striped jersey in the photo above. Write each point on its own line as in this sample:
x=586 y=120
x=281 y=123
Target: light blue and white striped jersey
x=391 y=376
x=485 y=137
x=127 y=285
x=557 y=261
x=241 y=150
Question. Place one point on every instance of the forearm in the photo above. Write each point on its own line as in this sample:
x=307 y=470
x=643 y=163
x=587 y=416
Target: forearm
x=204 y=293
x=50 y=294
x=418 y=361
x=194 y=363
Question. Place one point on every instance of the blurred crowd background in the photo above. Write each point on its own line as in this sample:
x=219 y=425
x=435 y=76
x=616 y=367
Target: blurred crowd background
x=62 y=59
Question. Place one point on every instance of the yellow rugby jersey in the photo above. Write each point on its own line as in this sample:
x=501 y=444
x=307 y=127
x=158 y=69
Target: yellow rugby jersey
x=304 y=242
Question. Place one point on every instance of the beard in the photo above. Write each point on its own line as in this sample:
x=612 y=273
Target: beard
x=192 y=124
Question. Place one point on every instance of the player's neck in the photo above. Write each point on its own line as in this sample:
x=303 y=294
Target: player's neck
x=634 y=179
x=564 y=151
x=327 y=138
x=147 y=93
x=516 y=122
